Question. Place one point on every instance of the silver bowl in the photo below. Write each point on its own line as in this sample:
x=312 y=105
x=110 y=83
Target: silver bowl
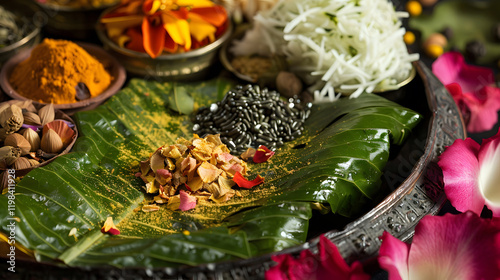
x=69 y=22
x=195 y=64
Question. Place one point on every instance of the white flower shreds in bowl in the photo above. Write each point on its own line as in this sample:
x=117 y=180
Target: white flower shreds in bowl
x=336 y=46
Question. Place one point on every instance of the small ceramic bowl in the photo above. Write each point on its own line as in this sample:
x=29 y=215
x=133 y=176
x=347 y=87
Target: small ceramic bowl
x=114 y=68
x=59 y=115
x=188 y=66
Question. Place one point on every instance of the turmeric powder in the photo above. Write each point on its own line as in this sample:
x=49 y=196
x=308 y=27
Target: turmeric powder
x=54 y=69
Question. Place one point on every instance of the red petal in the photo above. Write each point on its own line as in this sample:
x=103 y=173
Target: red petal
x=170 y=45
x=154 y=37
x=242 y=182
x=262 y=154
x=215 y=15
x=136 y=40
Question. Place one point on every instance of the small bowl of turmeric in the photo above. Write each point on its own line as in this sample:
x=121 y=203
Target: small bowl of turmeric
x=72 y=76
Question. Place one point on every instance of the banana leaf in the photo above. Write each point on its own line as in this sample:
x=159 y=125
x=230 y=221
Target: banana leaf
x=60 y=208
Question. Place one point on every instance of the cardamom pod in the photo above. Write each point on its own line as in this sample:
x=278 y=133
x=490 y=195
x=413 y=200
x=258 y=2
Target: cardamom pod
x=33 y=162
x=18 y=141
x=26 y=105
x=33 y=138
x=47 y=113
x=21 y=163
x=9 y=154
x=51 y=142
x=31 y=118
x=11 y=118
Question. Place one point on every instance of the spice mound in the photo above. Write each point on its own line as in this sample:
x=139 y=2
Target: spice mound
x=59 y=72
x=190 y=171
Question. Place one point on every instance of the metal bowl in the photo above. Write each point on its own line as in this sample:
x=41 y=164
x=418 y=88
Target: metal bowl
x=195 y=64
x=70 y=22
x=29 y=40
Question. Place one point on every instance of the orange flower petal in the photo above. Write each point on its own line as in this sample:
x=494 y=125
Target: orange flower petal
x=154 y=38
x=215 y=15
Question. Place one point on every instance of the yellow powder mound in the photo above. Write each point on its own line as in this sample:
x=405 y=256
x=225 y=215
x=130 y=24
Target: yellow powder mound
x=53 y=70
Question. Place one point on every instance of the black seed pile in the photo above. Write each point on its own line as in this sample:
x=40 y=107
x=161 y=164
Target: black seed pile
x=249 y=116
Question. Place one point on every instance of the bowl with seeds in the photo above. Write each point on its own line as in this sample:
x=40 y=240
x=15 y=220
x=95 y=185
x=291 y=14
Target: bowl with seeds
x=32 y=135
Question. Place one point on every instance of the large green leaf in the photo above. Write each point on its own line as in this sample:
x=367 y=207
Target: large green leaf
x=337 y=162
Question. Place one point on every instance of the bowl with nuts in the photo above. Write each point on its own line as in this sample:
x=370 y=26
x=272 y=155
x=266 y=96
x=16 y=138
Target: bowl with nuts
x=32 y=135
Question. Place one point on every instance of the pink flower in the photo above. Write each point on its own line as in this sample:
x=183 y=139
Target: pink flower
x=327 y=264
x=471 y=174
x=470 y=87
x=462 y=246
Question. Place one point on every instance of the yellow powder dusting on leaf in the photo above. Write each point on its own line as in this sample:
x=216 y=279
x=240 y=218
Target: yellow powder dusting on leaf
x=54 y=69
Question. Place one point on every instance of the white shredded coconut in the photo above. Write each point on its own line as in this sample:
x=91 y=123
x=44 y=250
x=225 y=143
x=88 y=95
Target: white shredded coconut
x=353 y=46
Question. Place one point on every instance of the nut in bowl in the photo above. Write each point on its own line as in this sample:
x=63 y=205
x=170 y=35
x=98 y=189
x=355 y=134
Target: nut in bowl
x=175 y=41
x=74 y=77
x=32 y=136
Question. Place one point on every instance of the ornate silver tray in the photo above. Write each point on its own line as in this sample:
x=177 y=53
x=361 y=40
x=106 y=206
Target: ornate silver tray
x=412 y=176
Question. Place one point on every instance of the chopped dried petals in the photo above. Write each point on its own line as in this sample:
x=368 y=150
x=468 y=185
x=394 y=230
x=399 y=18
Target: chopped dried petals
x=249 y=153
x=174 y=202
x=242 y=182
x=262 y=154
x=109 y=227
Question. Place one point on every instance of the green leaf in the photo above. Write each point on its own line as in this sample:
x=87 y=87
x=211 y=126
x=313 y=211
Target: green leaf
x=180 y=101
x=338 y=161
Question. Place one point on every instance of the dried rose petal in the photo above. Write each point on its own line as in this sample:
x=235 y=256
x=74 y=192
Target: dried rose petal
x=187 y=202
x=208 y=172
x=109 y=227
x=242 y=182
x=262 y=154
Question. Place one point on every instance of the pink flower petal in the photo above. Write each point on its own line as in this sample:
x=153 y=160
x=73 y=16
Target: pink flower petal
x=451 y=68
x=484 y=105
x=489 y=175
x=393 y=257
x=460 y=246
x=188 y=202
x=460 y=172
